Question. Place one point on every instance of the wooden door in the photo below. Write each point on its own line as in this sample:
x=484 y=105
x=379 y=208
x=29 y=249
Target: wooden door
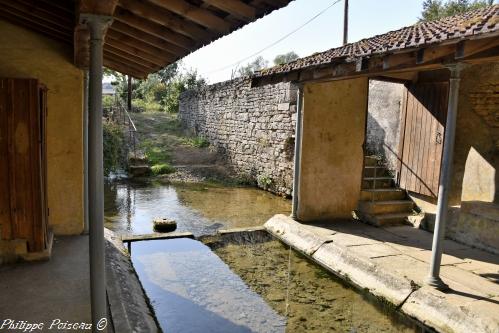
x=23 y=212
x=423 y=137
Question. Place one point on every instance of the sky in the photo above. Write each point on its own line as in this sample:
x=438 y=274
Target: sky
x=366 y=18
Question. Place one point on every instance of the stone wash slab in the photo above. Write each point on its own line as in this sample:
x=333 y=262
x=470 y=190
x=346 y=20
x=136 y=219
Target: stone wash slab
x=295 y=234
x=431 y=307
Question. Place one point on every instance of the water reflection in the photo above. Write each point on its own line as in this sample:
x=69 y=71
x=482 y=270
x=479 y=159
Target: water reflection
x=201 y=209
x=192 y=290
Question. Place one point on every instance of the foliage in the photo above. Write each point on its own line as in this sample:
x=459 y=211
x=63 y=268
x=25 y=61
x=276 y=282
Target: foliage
x=197 y=141
x=113 y=145
x=160 y=91
x=107 y=101
x=264 y=181
x=154 y=154
x=258 y=64
x=162 y=169
x=437 y=9
x=282 y=59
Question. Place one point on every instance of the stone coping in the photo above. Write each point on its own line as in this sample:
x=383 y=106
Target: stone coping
x=429 y=306
x=127 y=300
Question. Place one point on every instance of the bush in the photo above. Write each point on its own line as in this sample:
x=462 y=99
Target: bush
x=113 y=145
x=162 y=169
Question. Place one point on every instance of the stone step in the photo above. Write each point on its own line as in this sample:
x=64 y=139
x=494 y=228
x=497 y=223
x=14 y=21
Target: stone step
x=389 y=219
x=386 y=207
x=139 y=170
x=381 y=194
x=378 y=182
x=378 y=171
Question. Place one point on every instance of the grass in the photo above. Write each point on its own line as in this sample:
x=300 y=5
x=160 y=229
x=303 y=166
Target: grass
x=196 y=141
x=162 y=169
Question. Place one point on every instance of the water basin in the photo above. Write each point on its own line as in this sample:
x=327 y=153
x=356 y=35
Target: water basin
x=130 y=207
x=251 y=282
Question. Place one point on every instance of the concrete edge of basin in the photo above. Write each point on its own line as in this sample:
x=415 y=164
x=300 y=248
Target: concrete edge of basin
x=128 y=302
x=425 y=304
x=430 y=307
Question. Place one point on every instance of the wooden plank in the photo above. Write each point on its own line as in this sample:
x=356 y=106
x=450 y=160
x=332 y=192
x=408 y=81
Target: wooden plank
x=37 y=12
x=125 y=64
x=163 y=17
x=154 y=29
x=135 y=51
x=99 y=7
x=110 y=51
x=5 y=212
x=195 y=14
x=400 y=148
x=124 y=69
x=235 y=7
x=156 y=236
x=147 y=38
x=144 y=47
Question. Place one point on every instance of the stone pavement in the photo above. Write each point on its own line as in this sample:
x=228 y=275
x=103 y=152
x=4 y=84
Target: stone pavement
x=393 y=262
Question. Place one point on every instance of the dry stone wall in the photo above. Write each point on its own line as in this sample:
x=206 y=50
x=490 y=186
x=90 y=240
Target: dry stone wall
x=253 y=128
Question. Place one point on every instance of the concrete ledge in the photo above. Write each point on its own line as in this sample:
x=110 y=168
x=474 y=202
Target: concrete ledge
x=445 y=313
x=431 y=308
x=338 y=259
x=363 y=273
x=295 y=234
x=127 y=301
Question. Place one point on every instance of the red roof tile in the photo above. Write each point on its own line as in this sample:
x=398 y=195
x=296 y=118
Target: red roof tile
x=477 y=22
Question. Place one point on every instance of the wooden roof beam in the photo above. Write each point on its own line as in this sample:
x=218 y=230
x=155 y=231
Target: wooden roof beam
x=112 y=50
x=35 y=9
x=125 y=60
x=135 y=52
x=152 y=50
x=124 y=69
x=147 y=38
x=196 y=14
x=236 y=8
x=154 y=29
x=165 y=18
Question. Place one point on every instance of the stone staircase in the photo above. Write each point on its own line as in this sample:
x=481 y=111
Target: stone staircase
x=382 y=203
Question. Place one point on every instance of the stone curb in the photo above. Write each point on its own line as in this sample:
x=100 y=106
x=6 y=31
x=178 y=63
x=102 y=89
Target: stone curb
x=127 y=300
x=425 y=304
x=339 y=260
x=430 y=307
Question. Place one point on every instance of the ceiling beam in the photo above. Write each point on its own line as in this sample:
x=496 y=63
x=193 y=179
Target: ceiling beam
x=235 y=7
x=131 y=57
x=125 y=60
x=97 y=7
x=147 y=38
x=35 y=27
x=45 y=13
x=196 y=14
x=166 y=18
x=154 y=29
x=125 y=39
x=124 y=69
x=135 y=51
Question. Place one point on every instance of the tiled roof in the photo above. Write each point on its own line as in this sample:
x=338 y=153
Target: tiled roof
x=463 y=26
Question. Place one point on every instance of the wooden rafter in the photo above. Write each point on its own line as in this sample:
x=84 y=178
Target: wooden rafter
x=135 y=51
x=237 y=8
x=147 y=48
x=154 y=29
x=147 y=38
x=112 y=50
x=166 y=18
x=195 y=14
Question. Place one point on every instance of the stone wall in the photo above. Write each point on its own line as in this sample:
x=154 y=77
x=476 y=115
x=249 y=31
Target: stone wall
x=383 y=120
x=252 y=127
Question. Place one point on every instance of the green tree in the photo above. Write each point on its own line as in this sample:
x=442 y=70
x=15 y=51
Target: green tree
x=437 y=9
x=282 y=59
x=258 y=64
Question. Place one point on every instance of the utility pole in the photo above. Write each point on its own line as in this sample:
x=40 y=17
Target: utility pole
x=129 y=96
x=345 y=24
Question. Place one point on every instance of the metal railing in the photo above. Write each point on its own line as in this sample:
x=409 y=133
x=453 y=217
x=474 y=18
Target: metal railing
x=120 y=115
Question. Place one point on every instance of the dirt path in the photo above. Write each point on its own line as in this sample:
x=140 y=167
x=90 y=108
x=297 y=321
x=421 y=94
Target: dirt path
x=186 y=159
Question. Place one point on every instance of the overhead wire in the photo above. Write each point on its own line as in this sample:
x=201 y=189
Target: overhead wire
x=277 y=41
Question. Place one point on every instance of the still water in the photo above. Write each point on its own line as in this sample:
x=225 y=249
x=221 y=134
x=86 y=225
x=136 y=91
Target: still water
x=240 y=282
x=130 y=207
